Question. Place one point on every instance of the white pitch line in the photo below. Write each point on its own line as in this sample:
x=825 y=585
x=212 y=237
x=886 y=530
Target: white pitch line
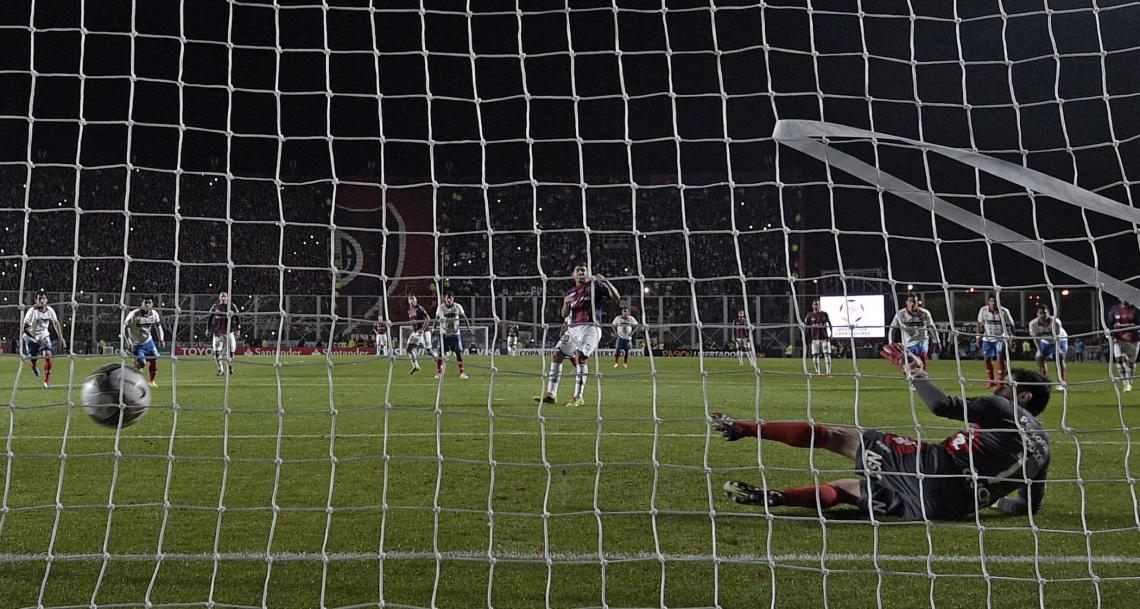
x=587 y=558
x=428 y=434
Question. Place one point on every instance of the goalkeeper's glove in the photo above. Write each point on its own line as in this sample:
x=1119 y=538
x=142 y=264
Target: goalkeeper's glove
x=746 y=494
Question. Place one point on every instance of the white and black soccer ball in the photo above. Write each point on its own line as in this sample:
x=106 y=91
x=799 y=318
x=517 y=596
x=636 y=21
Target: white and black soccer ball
x=103 y=389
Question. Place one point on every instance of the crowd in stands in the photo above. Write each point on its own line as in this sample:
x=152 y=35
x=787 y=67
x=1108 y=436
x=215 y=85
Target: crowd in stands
x=125 y=215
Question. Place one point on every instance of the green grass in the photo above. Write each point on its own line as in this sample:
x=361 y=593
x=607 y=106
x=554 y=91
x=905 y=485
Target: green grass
x=417 y=507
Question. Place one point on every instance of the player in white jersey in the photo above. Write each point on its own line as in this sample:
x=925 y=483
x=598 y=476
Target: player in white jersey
x=139 y=329
x=624 y=327
x=38 y=322
x=224 y=324
x=994 y=326
x=1052 y=342
x=917 y=331
x=449 y=314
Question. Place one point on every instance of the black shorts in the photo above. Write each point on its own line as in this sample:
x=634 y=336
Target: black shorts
x=891 y=463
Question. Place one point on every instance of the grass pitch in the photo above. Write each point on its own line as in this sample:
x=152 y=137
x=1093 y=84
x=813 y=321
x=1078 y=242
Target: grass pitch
x=310 y=485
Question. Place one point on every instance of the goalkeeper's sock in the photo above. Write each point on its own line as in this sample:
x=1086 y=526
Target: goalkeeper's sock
x=47 y=370
x=555 y=377
x=792 y=433
x=805 y=496
x=582 y=372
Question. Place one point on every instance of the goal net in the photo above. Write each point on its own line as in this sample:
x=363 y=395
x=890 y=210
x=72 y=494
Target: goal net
x=719 y=166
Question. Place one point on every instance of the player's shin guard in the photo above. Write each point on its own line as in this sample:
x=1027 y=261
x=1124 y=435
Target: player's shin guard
x=805 y=496
x=581 y=373
x=153 y=369
x=47 y=370
x=555 y=377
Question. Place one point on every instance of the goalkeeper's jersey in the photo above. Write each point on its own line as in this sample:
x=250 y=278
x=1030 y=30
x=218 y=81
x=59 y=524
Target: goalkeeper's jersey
x=38 y=322
x=1005 y=445
x=449 y=318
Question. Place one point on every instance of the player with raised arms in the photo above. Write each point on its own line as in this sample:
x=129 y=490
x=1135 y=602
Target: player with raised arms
x=449 y=313
x=741 y=338
x=917 y=332
x=140 y=328
x=1003 y=449
x=38 y=322
x=818 y=325
x=580 y=334
x=224 y=324
x=624 y=327
x=420 y=338
x=1052 y=342
x=380 y=333
x=994 y=325
x=512 y=338
x=1123 y=320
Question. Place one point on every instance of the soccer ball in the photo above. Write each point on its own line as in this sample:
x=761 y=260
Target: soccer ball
x=101 y=394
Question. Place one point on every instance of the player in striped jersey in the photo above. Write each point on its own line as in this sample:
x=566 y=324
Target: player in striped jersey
x=139 y=329
x=818 y=325
x=420 y=339
x=512 y=338
x=38 y=322
x=624 y=326
x=741 y=337
x=580 y=333
x=1123 y=320
x=224 y=324
x=380 y=330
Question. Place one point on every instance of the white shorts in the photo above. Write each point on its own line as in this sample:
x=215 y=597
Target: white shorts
x=821 y=347
x=742 y=344
x=419 y=339
x=381 y=342
x=512 y=341
x=225 y=343
x=583 y=339
x=1123 y=349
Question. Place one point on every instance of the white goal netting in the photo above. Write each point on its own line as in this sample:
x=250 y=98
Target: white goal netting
x=720 y=166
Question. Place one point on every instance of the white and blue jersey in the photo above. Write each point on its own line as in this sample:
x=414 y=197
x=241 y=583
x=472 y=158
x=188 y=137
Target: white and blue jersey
x=37 y=330
x=140 y=329
x=916 y=329
x=1049 y=337
x=449 y=327
x=624 y=327
x=996 y=325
